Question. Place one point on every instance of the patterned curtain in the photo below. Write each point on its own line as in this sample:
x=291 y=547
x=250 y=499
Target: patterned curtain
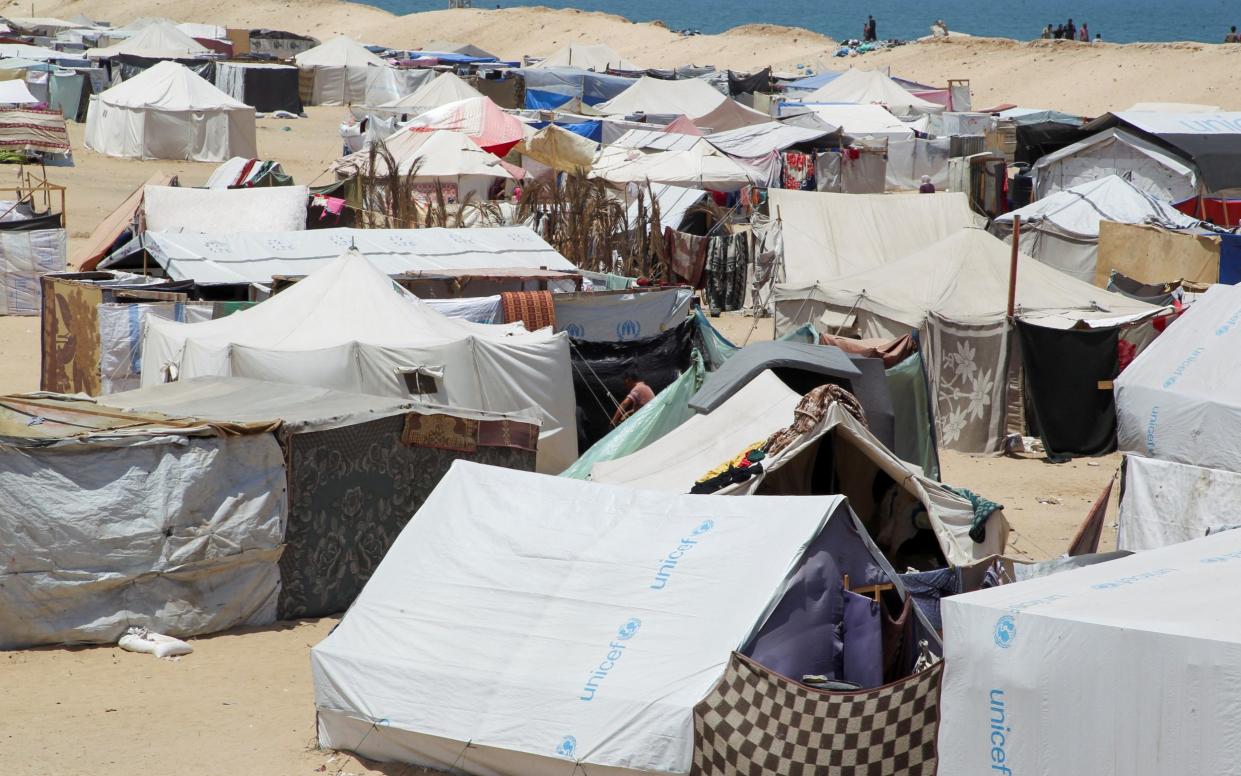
x=968 y=369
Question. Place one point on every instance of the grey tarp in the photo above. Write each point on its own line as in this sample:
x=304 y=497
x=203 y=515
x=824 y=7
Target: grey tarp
x=786 y=359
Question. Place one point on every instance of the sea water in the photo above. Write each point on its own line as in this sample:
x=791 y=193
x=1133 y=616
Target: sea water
x=1119 y=21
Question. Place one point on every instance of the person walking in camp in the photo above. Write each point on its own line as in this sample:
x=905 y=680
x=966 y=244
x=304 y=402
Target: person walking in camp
x=1232 y=36
x=639 y=394
x=927 y=187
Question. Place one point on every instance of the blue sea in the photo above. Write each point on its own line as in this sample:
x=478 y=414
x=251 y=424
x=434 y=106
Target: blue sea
x=1120 y=21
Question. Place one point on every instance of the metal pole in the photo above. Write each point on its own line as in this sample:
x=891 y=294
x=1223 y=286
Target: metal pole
x=1012 y=267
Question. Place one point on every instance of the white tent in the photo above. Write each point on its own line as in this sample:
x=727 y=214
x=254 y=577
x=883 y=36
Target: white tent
x=1123 y=668
x=765 y=405
x=1062 y=230
x=955 y=294
x=348 y=326
x=525 y=625
x=161 y=40
x=431 y=157
x=729 y=114
x=388 y=84
x=586 y=56
x=339 y=69
x=1151 y=169
x=225 y=211
x=15 y=92
x=702 y=168
x=871 y=87
x=168 y=112
x=863 y=121
x=438 y=92
x=691 y=97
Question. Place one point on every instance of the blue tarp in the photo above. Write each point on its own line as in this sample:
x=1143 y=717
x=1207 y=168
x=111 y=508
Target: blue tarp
x=817 y=81
x=537 y=99
x=1230 y=259
x=591 y=87
x=591 y=130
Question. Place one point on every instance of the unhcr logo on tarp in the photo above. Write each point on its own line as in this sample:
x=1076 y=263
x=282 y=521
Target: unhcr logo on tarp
x=670 y=562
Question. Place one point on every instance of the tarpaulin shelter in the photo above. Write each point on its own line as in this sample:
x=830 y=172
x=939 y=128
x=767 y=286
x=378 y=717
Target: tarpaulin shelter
x=386 y=84
x=168 y=112
x=1210 y=141
x=729 y=114
x=442 y=89
x=478 y=118
x=337 y=71
x=611 y=659
x=859 y=121
x=1062 y=229
x=954 y=293
x=550 y=88
x=1152 y=255
x=113 y=520
x=161 y=40
x=599 y=57
x=559 y=149
x=357 y=468
x=839 y=455
x=692 y=97
x=265 y=86
x=700 y=168
x=1116 y=643
x=871 y=87
x=225 y=211
x=1042 y=132
x=1150 y=167
x=111 y=229
x=258 y=257
x=453 y=47
x=426 y=158
x=348 y=326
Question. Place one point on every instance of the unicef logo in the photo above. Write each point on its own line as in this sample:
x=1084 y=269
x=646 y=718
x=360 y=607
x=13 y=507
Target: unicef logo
x=626 y=330
x=629 y=629
x=703 y=527
x=568 y=746
x=1005 y=631
x=574 y=330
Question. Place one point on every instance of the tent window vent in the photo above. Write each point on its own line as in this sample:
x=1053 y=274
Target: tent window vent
x=422 y=380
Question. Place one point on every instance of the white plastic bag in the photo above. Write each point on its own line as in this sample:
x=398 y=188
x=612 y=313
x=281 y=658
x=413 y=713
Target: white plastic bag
x=142 y=640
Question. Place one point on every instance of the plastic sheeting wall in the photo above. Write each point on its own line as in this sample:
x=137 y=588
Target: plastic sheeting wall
x=179 y=535
x=24 y=256
x=909 y=160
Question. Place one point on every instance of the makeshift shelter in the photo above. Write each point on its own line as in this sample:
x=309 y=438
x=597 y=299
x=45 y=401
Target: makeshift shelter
x=168 y=112
x=1062 y=230
x=692 y=169
x=1152 y=255
x=599 y=547
x=26 y=255
x=225 y=211
x=1042 y=132
x=959 y=307
x=871 y=87
x=453 y=47
x=160 y=40
x=388 y=84
x=242 y=173
x=441 y=90
x=349 y=327
x=837 y=455
x=1023 y=662
x=599 y=57
x=1151 y=168
x=559 y=149
x=264 y=86
x=862 y=121
x=556 y=88
x=336 y=72
x=257 y=258
x=430 y=161
x=478 y=118
x=729 y=114
x=105 y=517
x=357 y=468
x=692 y=97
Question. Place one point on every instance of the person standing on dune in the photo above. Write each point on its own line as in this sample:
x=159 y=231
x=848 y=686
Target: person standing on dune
x=1232 y=36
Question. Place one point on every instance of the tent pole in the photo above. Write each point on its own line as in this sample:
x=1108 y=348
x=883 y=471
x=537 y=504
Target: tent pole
x=1012 y=267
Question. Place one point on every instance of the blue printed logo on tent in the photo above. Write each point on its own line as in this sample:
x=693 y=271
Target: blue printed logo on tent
x=567 y=748
x=629 y=629
x=575 y=330
x=627 y=330
x=1005 y=631
x=703 y=527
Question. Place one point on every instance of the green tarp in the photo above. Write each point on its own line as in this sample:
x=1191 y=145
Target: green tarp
x=911 y=407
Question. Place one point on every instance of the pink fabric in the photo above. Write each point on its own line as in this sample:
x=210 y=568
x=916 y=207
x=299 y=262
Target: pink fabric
x=478 y=118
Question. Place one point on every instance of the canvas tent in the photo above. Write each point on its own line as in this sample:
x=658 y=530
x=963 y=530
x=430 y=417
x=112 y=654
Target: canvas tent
x=478 y=118
x=105 y=518
x=1062 y=230
x=765 y=406
x=1115 y=643
x=348 y=326
x=161 y=40
x=701 y=169
x=427 y=158
x=599 y=57
x=861 y=121
x=958 y=304
x=338 y=70
x=1208 y=140
x=168 y=112
x=871 y=87
x=440 y=90
x=692 y=97
x=729 y=114
x=1151 y=168
x=457 y=638
x=388 y=84
x=559 y=149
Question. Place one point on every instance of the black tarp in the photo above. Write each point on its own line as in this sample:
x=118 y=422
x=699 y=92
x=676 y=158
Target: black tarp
x=270 y=89
x=743 y=83
x=1063 y=368
x=131 y=66
x=1034 y=141
x=32 y=224
x=599 y=373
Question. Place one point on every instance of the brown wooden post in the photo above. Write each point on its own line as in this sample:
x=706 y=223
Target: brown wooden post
x=1012 y=267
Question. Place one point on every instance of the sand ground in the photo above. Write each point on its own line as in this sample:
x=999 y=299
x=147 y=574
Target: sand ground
x=242 y=703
